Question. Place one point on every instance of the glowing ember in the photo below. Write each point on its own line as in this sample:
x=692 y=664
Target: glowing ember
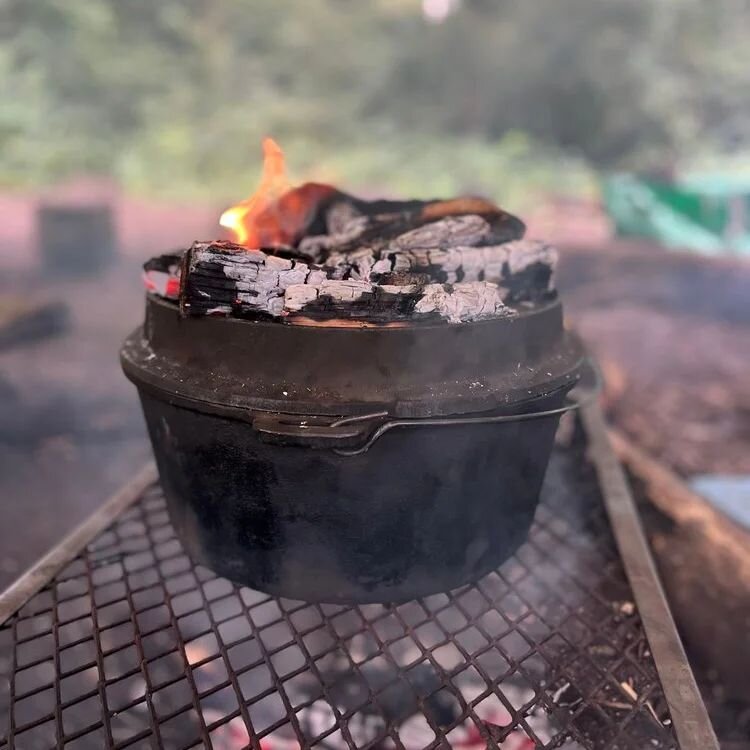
x=275 y=214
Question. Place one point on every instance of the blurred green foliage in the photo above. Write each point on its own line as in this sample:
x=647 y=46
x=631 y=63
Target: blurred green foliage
x=173 y=96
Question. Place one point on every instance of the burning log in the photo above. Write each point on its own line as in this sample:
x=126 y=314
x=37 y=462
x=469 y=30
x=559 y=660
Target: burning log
x=458 y=283
x=316 y=252
x=352 y=224
x=220 y=277
x=387 y=302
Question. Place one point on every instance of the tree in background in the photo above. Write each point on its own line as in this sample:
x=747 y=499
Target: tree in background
x=178 y=93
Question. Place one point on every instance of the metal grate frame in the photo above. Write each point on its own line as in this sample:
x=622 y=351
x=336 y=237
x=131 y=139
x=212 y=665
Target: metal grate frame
x=131 y=645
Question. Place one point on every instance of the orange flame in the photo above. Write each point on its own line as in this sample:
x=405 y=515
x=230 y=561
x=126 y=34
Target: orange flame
x=244 y=219
x=275 y=215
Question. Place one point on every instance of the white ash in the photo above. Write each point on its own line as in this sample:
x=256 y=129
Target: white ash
x=470 y=281
x=358 y=264
x=461 y=302
x=316 y=276
x=486 y=263
x=345 y=291
x=401 y=289
x=524 y=253
x=273 y=304
x=454 y=302
x=344 y=224
x=299 y=295
x=343 y=218
x=267 y=272
x=339 y=290
x=448 y=232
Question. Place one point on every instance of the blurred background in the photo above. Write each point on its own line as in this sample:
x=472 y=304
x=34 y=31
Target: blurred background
x=618 y=130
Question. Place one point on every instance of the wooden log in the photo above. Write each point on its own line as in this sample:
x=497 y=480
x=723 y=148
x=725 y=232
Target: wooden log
x=420 y=272
x=523 y=268
x=704 y=561
x=374 y=224
x=387 y=302
x=222 y=278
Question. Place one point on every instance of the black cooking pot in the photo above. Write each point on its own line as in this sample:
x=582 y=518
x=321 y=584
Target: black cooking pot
x=351 y=464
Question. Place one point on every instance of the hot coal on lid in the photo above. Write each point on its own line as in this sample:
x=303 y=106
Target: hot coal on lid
x=372 y=261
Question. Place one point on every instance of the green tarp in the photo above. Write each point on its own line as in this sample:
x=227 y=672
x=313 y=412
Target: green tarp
x=707 y=214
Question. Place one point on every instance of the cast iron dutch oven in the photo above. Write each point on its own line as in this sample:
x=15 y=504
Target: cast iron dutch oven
x=352 y=464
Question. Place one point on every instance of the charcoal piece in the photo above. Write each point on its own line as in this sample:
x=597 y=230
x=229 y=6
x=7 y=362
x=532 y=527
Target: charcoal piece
x=220 y=275
x=360 y=299
x=524 y=268
x=384 y=228
x=532 y=284
x=467 y=230
x=463 y=301
x=166 y=263
x=528 y=272
x=402 y=278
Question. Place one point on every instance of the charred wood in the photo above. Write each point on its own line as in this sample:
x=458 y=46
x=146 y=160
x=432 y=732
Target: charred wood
x=361 y=299
x=222 y=278
x=383 y=260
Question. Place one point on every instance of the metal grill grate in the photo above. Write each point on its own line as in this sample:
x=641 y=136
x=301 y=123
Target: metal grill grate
x=131 y=645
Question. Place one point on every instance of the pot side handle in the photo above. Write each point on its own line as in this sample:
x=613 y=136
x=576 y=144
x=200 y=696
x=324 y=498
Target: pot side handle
x=315 y=431
x=352 y=436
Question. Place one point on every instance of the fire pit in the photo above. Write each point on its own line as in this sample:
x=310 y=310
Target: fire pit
x=363 y=410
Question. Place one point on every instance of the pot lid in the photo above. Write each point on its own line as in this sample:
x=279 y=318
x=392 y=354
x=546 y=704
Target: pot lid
x=415 y=370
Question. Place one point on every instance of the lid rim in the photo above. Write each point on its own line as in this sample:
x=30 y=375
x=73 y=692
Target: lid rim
x=164 y=385
x=410 y=372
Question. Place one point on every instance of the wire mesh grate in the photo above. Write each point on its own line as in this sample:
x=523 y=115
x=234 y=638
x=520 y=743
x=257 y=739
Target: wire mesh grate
x=132 y=645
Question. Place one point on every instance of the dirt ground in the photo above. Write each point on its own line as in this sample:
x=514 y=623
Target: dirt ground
x=672 y=334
